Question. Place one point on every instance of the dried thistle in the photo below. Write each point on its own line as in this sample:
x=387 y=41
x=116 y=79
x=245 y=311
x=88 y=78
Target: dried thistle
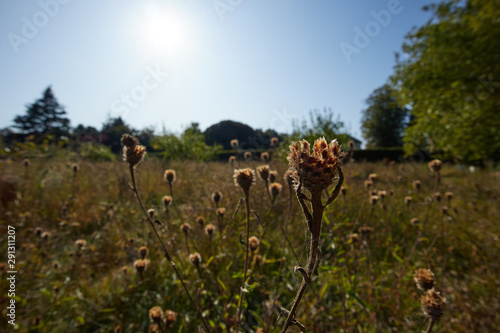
x=264 y=156
x=247 y=155
x=273 y=175
x=253 y=243
x=201 y=221
x=169 y=176
x=133 y=153
x=433 y=304
x=234 y=144
x=195 y=259
x=424 y=279
x=244 y=178
x=216 y=197
x=274 y=141
x=263 y=172
x=275 y=189
x=156 y=315
x=209 y=229
x=170 y=318
x=416 y=185
x=435 y=165
x=143 y=252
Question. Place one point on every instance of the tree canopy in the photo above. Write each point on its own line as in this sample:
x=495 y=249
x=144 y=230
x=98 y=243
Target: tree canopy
x=384 y=121
x=44 y=117
x=451 y=81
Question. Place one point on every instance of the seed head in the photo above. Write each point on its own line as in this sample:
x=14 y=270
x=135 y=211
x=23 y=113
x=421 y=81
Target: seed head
x=435 y=165
x=275 y=189
x=80 y=243
x=234 y=144
x=382 y=194
x=316 y=170
x=373 y=199
x=424 y=279
x=449 y=196
x=216 y=197
x=372 y=176
x=353 y=238
x=414 y=221
x=258 y=259
x=437 y=197
x=195 y=259
x=143 y=252
x=365 y=231
x=264 y=156
x=133 y=152
x=46 y=235
x=232 y=159
x=368 y=184
x=444 y=210
x=140 y=265
x=129 y=141
x=417 y=184
x=185 y=228
x=274 y=141
x=156 y=315
x=26 y=163
x=209 y=229
x=170 y=318
x=200 y=220
x=433 y=304
x=273 y=175
x=169 y=176
x=167 y=200
x=244 y=178
x=253 y=243
x=288 y=177
x=118 y=329
x=408 y=200
x=263 y=172
x=247 y=155
x=220 y=212
x=151 y=213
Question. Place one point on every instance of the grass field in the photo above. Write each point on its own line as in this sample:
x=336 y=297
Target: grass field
x=79 y=229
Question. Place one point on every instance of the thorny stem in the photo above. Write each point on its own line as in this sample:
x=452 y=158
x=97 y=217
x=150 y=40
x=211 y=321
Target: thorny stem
x=431 y=324
x=314 y=223
x=165 y=251
x=245 y=271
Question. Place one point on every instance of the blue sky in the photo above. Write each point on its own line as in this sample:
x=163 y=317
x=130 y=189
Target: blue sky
x=170 y=63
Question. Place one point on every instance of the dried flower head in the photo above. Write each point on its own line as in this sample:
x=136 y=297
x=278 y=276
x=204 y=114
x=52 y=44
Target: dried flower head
x=151 y=213
x=373 y=199
x=444 y=210
x=263 y=172
x=365 y=231
x=46 y=235
x=154 y=328
x=143 y=252
x=170 y=318
x=274 y=141
x=80 y=243
x=232 y=159
x=185 y=227
x=133 y=152
x=118 y=329
x=209 y=229
x=234 y=144
x=140 y=265
x=435 y=165
x=258 y=259
x=368 y=184
x=220 y=212
x=424 y=279
x=449 y=196
x=26 y=163
x=437 y=197
x=169 y=176
x=372 y=176
x=275 y=189
x=433 y=304
x=195 y=259
x=288 y=177
x=417 y=184
x=216 y=197
x=382 y=194
x=273 y=175
x=247 y=155
x=414 y=221
x=201 y=221
x=244 y=178
x=156 y=315
x=253 y=243
x=315 y=170
x=408 y=200
x=353 y=238
x=264 y=156
x=129 y=141
x=167 y=200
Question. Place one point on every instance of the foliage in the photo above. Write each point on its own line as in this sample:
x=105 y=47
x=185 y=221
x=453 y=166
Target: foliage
x=223 y=132
x=190 y=145
x=450 y=80
x=112 y=131
x=96 y=152
x=384 y=121
x=44 y=117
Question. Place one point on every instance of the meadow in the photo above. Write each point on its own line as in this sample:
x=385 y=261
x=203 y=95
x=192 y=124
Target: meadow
x=89 y=261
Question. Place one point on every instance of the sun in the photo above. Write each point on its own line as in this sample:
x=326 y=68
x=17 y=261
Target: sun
x=165 y=31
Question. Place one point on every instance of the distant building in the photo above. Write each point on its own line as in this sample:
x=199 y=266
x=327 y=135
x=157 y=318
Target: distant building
x=357 y=143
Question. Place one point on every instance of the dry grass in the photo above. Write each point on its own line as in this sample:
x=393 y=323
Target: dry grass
x=363 y=286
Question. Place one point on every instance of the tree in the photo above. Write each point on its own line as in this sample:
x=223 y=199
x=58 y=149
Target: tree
x=321 y=124
x=44 y=117
x=112 y=131
x=451 y=81
x=225 y=131
x=384 y=121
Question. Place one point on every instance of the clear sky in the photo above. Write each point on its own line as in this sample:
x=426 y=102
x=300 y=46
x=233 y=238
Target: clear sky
x=170 y=63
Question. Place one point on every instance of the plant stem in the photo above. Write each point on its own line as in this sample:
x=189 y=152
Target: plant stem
x=242 y=288
x=431 y=324
x=167 y=255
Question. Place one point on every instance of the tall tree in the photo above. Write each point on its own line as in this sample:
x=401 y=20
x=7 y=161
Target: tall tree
x=451 y=80
x=112 y=131
x=384 y=121
x=44 y=117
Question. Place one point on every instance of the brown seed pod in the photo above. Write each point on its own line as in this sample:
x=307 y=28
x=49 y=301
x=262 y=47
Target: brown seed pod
x=253 y=243
x=424 y=279
x=433 y=304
